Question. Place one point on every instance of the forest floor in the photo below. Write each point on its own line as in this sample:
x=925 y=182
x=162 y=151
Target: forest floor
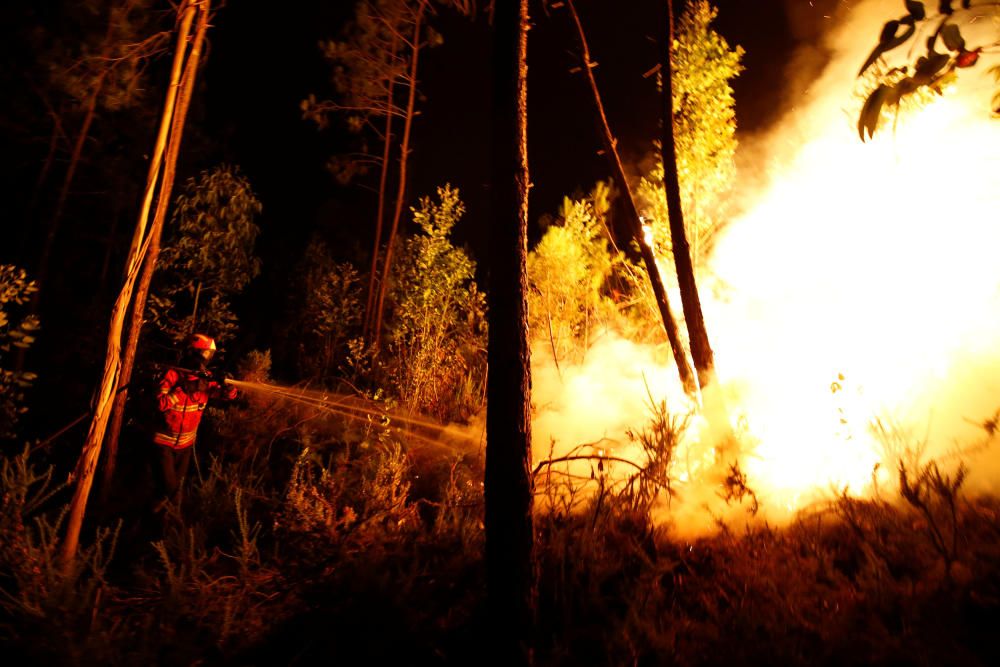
x=300 y=550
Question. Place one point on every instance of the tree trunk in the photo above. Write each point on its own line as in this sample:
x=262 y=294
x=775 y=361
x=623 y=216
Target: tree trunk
x=153 y=253
x=43 y=174
x=404 y=151
x=104 y=395
x=382 y=183
x=508 y=484
x=701 y=350
x=632 y=214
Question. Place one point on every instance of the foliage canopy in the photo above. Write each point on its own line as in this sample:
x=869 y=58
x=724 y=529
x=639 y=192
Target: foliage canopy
x=437 y=326
x=15 y=291
x=933 y=68
x=209 y=256
x=567 y=272
x=705 y=130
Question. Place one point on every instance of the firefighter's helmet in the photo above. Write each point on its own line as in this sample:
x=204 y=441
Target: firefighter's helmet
x=202 y=345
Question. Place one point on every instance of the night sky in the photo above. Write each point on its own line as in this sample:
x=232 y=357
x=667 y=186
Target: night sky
x=263 y=61
x=263 y=64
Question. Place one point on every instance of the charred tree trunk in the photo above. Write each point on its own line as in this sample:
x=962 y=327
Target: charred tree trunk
x=152 y=254
x=382 y=185
x=108 y=387
x=508 y=485
x=404 y=153
x=632 y=214
x=701 y=350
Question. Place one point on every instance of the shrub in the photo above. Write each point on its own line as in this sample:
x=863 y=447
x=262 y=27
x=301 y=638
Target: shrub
x=207 y=258
x=327 y=313
x=48 y=608
x=355 y=500
x=437 y=328
x=15 y=290
x=567 y=273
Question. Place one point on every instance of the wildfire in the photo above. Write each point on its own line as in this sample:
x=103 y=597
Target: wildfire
x=860 y=288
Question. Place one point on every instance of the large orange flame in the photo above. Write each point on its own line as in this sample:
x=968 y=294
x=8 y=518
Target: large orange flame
x=860 y=288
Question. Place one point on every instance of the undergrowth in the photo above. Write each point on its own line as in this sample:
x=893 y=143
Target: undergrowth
x=315 y=550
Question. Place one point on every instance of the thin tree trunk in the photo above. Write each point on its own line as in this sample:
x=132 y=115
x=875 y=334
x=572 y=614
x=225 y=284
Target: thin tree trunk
x=508 y=483
x=194 y=311
x=701 y=350
x=109 y=248
x=649 y=259
x=104 y=395
x=382 y=183
x=42 y=271
x=74 y=160
x=401 y=189
x=43 y=174
x=153 y=253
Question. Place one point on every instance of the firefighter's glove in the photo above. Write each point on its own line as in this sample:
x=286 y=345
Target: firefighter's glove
x=194 y=384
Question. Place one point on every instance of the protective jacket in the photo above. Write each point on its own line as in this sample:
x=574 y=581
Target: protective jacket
x=182 y=399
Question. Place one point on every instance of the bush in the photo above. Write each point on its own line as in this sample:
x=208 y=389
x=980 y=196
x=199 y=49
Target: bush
x=15 y=290
x=567 y=273
x=207 y=257
x=48 y=608
x=437 y=328
x=327 y=313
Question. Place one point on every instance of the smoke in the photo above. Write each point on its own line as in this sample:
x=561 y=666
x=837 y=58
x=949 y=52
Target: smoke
x=858 y=292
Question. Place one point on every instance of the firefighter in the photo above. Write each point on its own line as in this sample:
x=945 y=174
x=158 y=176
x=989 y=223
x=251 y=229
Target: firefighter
x=183 y=395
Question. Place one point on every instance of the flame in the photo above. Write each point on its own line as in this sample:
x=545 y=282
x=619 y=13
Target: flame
x=873 y=263
x=861 y=286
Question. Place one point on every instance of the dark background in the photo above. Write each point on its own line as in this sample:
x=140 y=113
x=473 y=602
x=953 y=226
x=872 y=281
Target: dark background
x=262 y=61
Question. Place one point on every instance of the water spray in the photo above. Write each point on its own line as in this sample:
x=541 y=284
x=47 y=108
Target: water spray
x=366 y=411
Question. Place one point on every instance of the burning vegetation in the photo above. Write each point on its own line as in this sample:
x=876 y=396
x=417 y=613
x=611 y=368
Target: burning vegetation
x=823 y=491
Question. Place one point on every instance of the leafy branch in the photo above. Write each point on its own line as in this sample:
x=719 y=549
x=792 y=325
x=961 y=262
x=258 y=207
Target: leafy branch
x=934 y=67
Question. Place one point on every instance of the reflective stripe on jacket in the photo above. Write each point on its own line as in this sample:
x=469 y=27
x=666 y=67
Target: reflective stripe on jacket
x=182 y=411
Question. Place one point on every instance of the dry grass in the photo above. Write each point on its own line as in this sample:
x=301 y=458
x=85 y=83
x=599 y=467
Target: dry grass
x=326 y=551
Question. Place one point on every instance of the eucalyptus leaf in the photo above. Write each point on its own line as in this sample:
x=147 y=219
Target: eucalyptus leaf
x=871 y=111
x=888 y=32
x=952 y=37
x=916 y=9
x=927 y=67
x=889 y=39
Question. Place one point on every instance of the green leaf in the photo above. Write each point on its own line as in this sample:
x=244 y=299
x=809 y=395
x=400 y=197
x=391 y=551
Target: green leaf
x=952 y=37
x=872 y=110
x=930 y=65
x=916 y=9
x=872 y=57
x=889 y=40
x=888 y=32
